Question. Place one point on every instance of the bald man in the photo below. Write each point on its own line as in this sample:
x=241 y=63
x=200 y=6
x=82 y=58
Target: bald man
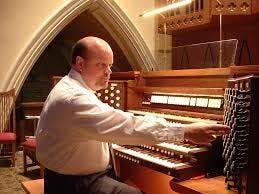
x=75 y=127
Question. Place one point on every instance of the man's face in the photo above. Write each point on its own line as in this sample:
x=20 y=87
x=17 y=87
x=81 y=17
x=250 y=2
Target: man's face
x=97 y=69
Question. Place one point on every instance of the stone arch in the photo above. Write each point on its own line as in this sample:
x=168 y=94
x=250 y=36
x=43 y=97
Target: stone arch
x=109 y=14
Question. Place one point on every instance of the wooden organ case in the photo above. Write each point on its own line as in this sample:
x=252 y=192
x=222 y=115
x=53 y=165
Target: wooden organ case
x=182 y=96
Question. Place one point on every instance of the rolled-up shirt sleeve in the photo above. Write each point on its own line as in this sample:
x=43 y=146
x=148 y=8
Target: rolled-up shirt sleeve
x=101 y=122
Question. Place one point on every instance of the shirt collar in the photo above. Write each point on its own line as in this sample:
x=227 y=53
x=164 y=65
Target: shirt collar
x=78 y=78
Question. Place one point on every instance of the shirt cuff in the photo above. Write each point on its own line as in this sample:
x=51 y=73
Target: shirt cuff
x=176 y=133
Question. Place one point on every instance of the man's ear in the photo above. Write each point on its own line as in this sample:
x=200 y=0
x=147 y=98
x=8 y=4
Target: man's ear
x=79 y=64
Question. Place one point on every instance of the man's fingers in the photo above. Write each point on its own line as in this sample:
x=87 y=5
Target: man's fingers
x=217 y=133
x=221 y=129
x=203 y=134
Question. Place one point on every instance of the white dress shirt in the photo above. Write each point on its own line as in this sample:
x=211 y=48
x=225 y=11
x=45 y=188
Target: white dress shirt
x=75 y=126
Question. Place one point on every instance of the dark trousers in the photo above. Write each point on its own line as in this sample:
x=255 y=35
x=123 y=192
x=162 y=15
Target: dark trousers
x=98 y=183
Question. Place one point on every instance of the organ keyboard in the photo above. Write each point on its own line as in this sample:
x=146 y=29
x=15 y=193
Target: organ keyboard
x=170 y=148
x=157 y=161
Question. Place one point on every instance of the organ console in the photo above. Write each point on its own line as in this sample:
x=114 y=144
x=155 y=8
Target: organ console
x=187 y=96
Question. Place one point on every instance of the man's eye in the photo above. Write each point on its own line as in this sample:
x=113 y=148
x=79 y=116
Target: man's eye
x=103 y=65
x=100 y=65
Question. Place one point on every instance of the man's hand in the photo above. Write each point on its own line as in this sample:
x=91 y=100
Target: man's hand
x=200 y=133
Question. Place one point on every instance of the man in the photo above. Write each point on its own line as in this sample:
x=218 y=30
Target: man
x=75 y=126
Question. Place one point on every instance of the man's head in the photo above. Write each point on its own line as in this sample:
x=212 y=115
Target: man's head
x=92 y=57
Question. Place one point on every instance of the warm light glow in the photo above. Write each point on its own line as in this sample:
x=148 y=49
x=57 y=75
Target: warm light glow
x=166 y=8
